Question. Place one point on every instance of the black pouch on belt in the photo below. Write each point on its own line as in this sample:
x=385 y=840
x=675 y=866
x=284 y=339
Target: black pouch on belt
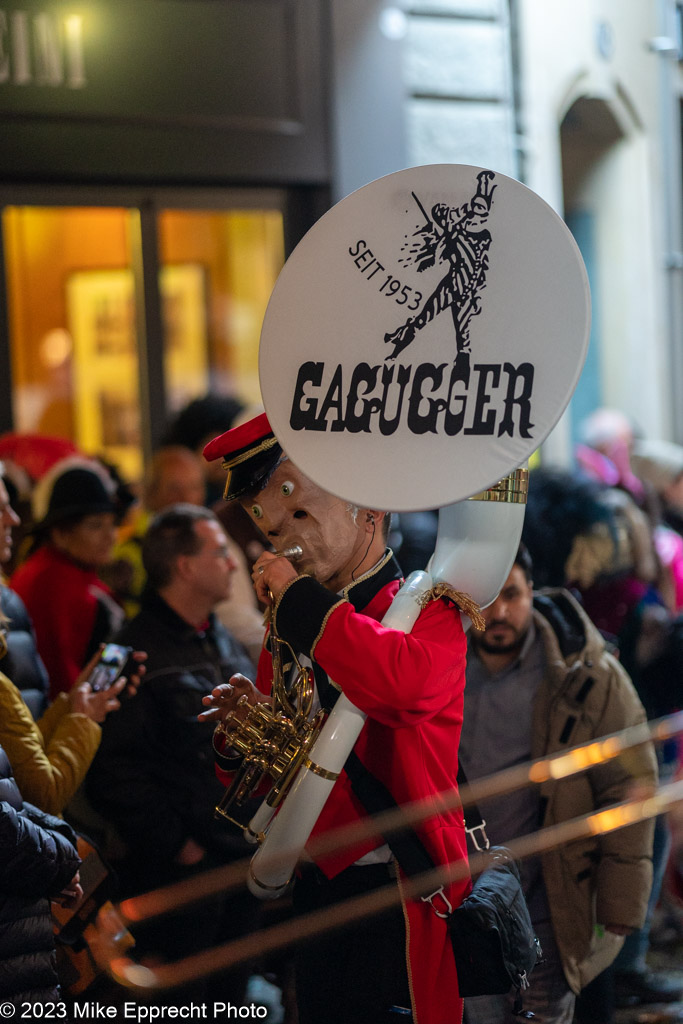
x=493 y=939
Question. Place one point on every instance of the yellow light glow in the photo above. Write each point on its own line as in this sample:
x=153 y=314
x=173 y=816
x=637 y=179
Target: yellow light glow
x=562 y=766
x=578 y=760
x=55 y=348
x=73 y=27
x=614 y=818
x=606 y=821
x=539 y=772
x=611 y=747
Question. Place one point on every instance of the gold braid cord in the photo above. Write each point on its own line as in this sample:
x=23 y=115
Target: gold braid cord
x=464 y=602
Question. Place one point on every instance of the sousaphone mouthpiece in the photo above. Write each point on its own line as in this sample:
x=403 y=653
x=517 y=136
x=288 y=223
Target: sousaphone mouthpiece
x=291 y=551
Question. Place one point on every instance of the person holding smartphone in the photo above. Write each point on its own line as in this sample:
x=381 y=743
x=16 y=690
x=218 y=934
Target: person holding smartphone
x=76 y=509
x=50 y=756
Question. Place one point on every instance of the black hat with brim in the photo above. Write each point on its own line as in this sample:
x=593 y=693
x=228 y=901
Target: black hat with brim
x=76 y=493
x=250 y=453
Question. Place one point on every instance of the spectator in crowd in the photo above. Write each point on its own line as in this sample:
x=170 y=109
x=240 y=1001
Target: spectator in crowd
x=542 y=657
x=18 y=654
x=153 y=777
x=659 y=465
x=21 y=661
x=580 y=530
x=594 y=539
x=176 y=476
x=38 y=862
x=51 y=752
x=19 y=486
x=608 y=437
x=75 y=512
x=195 y=425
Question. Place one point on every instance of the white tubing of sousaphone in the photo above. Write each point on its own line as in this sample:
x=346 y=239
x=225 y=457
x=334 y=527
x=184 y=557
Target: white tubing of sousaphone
x=421 y=342
x=476 y=546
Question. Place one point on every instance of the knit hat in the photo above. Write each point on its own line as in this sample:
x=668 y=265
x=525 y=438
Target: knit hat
x=72 y=488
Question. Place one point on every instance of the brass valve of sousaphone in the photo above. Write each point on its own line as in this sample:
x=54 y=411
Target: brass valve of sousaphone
x=273 y=738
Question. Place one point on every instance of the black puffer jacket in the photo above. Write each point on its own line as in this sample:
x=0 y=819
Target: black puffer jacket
x=22 y=663
x=37 y=860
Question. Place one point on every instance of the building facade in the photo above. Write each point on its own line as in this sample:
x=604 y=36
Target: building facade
x=160 y=160
x=581 y=100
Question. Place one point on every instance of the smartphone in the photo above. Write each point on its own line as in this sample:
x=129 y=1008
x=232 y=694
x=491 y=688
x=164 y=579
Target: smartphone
x=110 y=666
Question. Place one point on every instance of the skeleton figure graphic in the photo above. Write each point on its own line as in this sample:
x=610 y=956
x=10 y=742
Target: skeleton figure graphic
x=459 y=236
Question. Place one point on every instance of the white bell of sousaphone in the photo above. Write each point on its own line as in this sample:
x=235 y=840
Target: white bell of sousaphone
x=421 y=342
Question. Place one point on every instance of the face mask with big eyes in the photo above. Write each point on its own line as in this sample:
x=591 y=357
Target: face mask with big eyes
x=286 y=489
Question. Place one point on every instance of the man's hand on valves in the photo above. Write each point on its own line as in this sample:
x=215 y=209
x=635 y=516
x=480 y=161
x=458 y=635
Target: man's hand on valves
x=223 y=700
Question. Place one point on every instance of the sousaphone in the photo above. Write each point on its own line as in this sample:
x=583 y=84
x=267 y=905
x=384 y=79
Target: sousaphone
x=421 y=342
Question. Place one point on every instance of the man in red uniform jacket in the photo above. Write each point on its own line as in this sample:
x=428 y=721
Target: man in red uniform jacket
x=328 y=607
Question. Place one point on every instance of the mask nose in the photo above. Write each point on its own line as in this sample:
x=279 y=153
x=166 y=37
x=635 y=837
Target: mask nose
x=279 y=524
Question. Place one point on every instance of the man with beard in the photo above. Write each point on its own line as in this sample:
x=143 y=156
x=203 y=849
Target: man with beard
x=540 y=680
x=328 y=606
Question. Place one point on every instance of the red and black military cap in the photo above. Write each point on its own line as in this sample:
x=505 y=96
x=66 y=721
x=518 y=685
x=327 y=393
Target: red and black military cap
x=250 y=453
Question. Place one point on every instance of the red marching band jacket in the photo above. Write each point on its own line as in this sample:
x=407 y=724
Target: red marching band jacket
x=411 y=688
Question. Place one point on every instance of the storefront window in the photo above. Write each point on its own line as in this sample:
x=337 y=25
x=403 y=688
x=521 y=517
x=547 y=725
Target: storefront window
x=218 y=269
x=72 y=314
x=78 y=330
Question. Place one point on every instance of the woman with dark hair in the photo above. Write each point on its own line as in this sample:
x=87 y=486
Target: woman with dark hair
x=75 y=512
